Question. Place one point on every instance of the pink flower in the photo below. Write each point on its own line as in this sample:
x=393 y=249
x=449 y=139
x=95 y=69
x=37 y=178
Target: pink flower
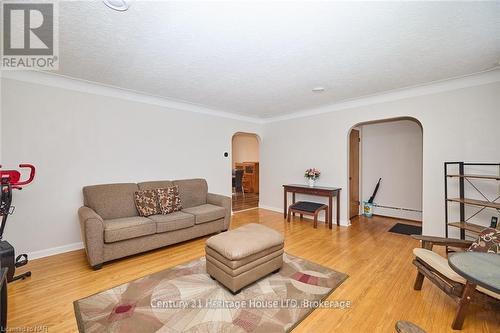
x=312 y=173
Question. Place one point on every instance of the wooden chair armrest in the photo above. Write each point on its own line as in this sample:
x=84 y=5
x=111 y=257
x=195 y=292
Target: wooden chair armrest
x=429 y=241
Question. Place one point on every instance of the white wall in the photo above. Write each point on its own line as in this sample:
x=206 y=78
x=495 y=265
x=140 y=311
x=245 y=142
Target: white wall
x=393 y=151
x=245 y=148
x=76 y=138
x=1 y=104
x=457 y=125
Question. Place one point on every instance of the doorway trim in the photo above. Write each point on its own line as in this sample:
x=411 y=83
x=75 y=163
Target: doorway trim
x=354 y=173
x=376 y=121
x=259 y=141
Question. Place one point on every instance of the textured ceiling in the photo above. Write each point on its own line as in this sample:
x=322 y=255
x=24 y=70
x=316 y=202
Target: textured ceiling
x=262 y=59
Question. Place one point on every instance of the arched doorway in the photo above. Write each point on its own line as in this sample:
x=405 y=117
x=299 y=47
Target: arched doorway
x=245 y=156
x=391 y=149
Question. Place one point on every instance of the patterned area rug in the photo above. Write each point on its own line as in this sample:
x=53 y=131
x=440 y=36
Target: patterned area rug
x=185 y=299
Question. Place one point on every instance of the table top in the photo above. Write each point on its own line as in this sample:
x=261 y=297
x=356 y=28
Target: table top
x=480 y=268
x=325 y=188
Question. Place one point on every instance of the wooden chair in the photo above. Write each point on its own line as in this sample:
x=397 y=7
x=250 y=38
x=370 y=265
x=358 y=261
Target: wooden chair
x=238 y=182
x=434 y=267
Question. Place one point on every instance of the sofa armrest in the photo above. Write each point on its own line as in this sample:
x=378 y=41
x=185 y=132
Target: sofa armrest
x=222 y=201
x=429 y=241
x=92 y=227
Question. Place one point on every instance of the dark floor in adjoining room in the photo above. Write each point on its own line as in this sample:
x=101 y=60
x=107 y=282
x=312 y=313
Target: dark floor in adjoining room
x=240 y=202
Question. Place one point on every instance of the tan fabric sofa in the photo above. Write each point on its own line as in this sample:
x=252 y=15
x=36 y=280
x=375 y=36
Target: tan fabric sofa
x=111 y=227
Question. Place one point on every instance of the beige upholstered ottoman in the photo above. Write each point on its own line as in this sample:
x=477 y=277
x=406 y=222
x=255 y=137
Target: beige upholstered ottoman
x=241 y=256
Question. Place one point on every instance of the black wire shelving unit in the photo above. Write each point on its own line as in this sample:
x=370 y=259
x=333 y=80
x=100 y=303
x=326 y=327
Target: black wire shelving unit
x=464 y=179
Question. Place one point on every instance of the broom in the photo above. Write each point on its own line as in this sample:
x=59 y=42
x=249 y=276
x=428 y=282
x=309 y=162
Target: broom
x=374 y=192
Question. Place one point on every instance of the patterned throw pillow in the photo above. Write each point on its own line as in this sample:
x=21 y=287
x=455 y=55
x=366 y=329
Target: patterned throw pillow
x=488 y=241
x=146 y=202
x=169 y=199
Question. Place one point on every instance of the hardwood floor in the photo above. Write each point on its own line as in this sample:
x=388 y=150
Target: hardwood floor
x=251 y=200
x=380 y=286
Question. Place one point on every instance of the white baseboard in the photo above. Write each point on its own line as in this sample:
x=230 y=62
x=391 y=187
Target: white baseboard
x=274 y=209
x=344 y=223
x=401 y=214
x=55 y=250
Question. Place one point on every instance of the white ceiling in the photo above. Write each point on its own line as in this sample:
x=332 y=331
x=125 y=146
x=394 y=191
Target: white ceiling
x=262 y=59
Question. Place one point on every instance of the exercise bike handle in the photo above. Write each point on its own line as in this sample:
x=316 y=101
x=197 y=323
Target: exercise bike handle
x=30 y=178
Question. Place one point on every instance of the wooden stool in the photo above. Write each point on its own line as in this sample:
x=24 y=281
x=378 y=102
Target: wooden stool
x=308 y=208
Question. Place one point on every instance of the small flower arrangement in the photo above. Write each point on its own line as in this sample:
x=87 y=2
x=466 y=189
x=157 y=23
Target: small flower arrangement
x=312 y=174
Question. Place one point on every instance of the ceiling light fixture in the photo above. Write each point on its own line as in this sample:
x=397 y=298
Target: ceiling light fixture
x=119 y=5
x=318 y=89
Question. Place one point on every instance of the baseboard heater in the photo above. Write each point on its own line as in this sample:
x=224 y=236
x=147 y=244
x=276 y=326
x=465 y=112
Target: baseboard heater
x=398 y=208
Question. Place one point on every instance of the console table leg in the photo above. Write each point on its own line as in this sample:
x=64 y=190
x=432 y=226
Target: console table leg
x=338 y=207
x=327 y=218
x=284 y=204
x=330 y=208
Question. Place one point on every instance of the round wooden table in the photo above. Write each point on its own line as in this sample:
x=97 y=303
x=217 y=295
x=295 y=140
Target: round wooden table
x=479 y=269
x=482 y=269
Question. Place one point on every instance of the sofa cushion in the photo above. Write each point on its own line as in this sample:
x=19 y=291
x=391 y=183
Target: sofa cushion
x=206 y=213
x=152 y=185
x=147 y=202
x=193 y=192
x=111 y=201
x=235 y=244
x=169 y=199
x=172 y=221
x=441 y=265
x=127 y=227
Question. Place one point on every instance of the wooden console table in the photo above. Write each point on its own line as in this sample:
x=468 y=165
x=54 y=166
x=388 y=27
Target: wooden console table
x=320 y=191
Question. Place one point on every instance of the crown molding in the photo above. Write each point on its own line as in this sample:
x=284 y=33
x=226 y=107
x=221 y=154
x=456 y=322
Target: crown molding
x=69 y=83
x=476 y=79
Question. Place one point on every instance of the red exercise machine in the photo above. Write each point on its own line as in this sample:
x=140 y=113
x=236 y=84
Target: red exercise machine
x=11 y=180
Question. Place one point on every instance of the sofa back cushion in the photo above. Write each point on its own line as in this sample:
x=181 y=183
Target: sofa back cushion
x=193 y=192
x=111 y=201
x=169 y=199
x=147 y=202
x=155 y=184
